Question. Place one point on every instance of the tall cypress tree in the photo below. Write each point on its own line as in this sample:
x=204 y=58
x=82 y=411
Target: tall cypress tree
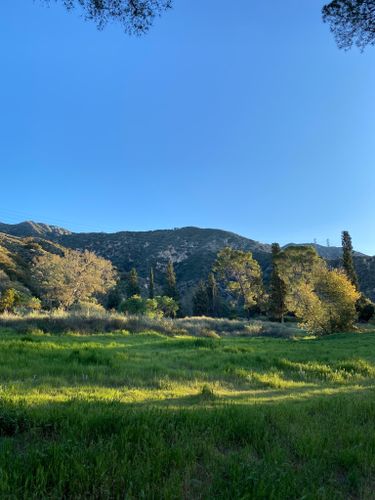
x=213 y=296
x=200 y=300
x=170 y=287
x=347 y=257
x=132 y=286
x=277 y=307
x=151 y=284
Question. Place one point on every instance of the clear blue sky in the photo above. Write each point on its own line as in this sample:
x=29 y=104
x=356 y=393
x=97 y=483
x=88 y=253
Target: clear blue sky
x=238 y=114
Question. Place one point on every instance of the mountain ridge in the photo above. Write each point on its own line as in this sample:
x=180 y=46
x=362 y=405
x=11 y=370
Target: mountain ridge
x=42 y=230
x=193 y=251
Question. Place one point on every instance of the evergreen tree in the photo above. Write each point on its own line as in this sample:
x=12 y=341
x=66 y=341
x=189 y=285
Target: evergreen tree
x=132 y=287
x=241 y=275
x=213 y=296
x=114 y=298
x=277 y=307
x=170 y=288
x=151 y=284
x=201 y=300
x=347 y=256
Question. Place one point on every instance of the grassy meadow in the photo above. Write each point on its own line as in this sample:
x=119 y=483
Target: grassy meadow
x=147 y=415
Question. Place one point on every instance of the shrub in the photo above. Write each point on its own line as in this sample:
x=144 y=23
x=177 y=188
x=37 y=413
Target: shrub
x=87 y=308
x=207 y=393
x=365 y=309
x=328 y=304
x=167 y=306
x=134 y=305
x=9 y=299
x=205 y=332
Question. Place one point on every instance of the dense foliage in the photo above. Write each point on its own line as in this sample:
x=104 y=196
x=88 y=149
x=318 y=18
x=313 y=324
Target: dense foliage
x=63 y=280
x=45 y=274
x=276 y=305
x=351 y=21
x=241 y=275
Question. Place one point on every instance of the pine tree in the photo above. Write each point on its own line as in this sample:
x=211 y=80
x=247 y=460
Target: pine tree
x=277 y=307
x=201 y=300
x=213 y=296
x=170 y=288
x=151 y=284
x=132 y=287
x=347 y=256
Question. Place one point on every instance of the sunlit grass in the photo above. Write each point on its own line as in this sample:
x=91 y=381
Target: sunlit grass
x=154 y=416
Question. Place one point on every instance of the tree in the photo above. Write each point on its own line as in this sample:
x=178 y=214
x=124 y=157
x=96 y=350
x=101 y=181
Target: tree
x=135 y=16
x=9 y=299
x=132 y=286
x=114 y=298
x=327 y=304
x=63 y=280
x=213 y=295
x=347 y=257
x=170 y=287
x=168 y=306
x=134 y=305
x=352 y=22
x=297 y=265
x=277 y=306
x=241 y=275
x=151 y=284
x=365 y=309
x=201 y=300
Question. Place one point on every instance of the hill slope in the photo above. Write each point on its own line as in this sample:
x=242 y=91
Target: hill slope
x=193 y=251
x=33 y=229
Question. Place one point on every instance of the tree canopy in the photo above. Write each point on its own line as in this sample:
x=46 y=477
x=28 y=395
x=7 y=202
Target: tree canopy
x=352 y=22
x=135 y=16
x=241 y=275
x=64 y=280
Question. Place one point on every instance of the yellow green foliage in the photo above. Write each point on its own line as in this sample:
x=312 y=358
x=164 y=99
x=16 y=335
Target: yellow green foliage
x=71 y=278
x=326 y=305
x=241 y=274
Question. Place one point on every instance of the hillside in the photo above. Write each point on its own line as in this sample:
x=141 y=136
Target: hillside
x=16 y=255
x=193 y=251
x=33 y=229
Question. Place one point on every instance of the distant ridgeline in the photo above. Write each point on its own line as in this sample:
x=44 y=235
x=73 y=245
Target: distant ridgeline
x=192 y=250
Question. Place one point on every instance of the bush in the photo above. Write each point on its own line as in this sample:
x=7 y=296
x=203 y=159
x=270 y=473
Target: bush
x=365 y=309
x=134 y=305
x=327 y=305
x=167 y=306
x=211 y=334
x=153 y=308
x=87 y=308
x=9 y=299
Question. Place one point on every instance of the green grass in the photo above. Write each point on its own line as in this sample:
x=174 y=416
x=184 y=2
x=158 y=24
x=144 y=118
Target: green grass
x=150 y=416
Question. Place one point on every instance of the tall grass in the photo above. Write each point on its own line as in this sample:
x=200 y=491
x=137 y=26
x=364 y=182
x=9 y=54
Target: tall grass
x=152 y=416
x=104 y=322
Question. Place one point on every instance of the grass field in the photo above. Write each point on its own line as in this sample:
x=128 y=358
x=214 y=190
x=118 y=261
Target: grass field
x=151 y=416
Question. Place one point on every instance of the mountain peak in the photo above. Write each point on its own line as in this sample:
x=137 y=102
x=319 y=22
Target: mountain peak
x=33 y=229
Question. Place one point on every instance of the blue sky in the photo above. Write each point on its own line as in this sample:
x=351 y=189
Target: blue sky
x=245 y=118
